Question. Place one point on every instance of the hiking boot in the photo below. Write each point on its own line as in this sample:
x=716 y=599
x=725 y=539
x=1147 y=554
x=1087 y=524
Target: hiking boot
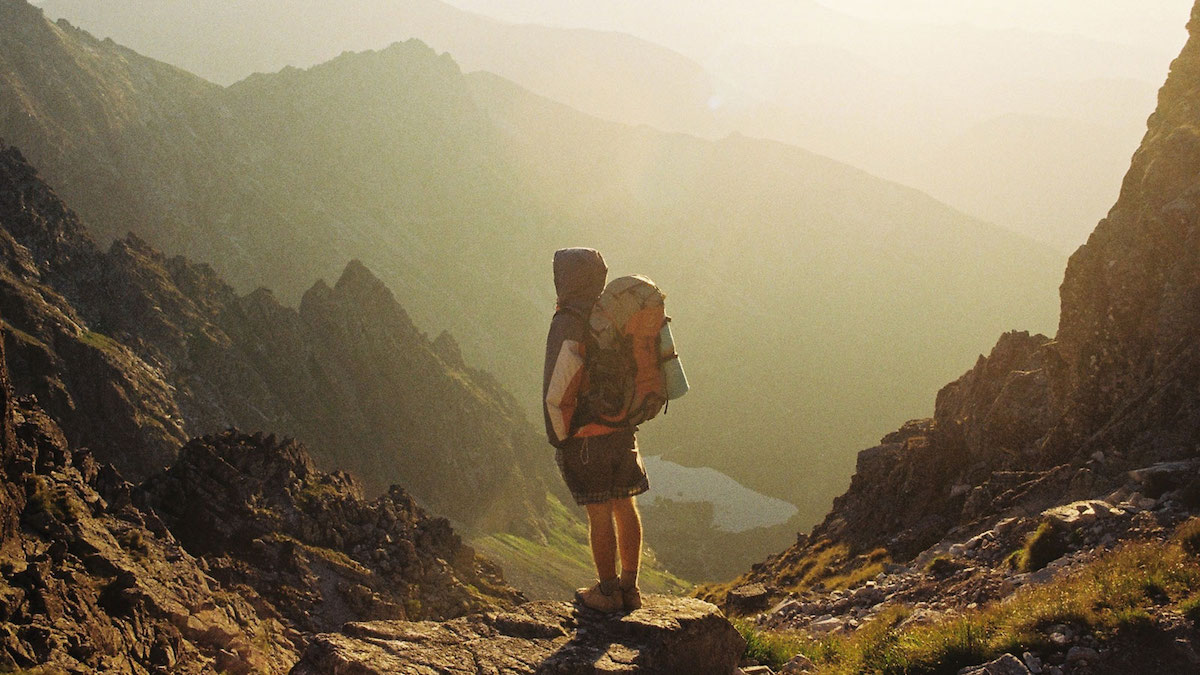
x=632 y=598
x=596 y=598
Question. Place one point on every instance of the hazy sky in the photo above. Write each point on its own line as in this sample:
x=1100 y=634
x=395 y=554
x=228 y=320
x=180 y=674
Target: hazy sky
x=1128 y=21
x=1153 y=24
x=1121 y=20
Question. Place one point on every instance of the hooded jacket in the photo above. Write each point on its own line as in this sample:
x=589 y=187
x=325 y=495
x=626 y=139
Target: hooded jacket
x=579 y=277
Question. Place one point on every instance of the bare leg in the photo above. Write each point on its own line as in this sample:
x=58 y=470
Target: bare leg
x=603 y=538
x=629 y=538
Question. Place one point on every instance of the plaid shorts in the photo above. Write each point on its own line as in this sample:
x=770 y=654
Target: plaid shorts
x=601 y=468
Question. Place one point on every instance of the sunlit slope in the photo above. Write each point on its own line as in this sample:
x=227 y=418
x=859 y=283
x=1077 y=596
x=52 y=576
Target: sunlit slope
x=815 y=303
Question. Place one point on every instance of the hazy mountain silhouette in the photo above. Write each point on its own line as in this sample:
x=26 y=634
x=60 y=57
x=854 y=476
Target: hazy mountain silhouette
x=610 y=74
x=862 y=91
x=815 y=302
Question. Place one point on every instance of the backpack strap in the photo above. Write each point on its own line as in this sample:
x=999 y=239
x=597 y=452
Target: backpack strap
x=574 y=311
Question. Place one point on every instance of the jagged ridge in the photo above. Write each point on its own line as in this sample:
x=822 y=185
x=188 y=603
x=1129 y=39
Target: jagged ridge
x=135 y=352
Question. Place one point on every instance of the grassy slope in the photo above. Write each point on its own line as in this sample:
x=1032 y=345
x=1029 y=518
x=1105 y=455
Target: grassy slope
x=553 y=570
x=1121 y=595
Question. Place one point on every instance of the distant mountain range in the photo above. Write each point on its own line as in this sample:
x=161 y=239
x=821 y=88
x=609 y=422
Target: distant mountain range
x=814 y=302
x=884 y=96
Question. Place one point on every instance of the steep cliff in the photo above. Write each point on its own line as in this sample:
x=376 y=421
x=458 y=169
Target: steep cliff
x=1044 y=520
x=263 y=517
x=91 y=583
x=1099 y=412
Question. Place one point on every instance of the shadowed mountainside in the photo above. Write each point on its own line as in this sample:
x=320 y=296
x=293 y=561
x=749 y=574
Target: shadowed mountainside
x=135 y=352
x=254 y=552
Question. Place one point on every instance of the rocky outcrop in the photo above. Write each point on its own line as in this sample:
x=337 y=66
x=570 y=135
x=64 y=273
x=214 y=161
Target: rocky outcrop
x=134 y=353
x=90 y=583
x=1040 y=422
x=668 y=635
x=263 y=517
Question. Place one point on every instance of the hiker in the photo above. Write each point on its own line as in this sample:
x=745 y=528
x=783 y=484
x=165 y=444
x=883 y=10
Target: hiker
x=600 y=464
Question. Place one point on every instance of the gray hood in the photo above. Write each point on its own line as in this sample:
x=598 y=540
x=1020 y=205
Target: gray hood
x=579 y=277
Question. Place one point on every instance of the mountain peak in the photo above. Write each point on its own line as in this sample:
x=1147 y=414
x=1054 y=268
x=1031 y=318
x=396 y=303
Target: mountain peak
x=357 y=276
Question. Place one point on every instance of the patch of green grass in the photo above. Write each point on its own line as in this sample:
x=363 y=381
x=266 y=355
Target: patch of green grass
x=554 y=569
x=314 y=491
x=773 y=648
x=99 y=341
x=826 y=564
x=1042 y=547
x=1188 y=535
x=135 y=543
x=863 y=568
x=329 y=555
x=44 y=497
x=412 y=607
x=1118 y=592
x=943 y=566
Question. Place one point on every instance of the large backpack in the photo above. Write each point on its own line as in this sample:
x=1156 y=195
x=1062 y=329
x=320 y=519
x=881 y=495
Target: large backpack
x=625 y=383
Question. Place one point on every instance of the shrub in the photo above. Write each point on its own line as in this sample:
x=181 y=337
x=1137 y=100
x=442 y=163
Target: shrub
x=43 y=497
x=1188 y=535
x=1042 y=547
x=943 y=566
x=135 y=543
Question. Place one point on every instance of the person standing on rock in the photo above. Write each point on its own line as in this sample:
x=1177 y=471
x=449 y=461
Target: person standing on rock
x=601 y=465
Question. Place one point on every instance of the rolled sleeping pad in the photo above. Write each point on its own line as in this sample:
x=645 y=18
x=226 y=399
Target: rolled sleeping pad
x=676 y=379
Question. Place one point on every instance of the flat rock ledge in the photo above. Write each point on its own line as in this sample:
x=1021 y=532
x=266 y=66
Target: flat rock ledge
x=667 y=635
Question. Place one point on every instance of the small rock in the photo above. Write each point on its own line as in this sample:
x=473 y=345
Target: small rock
x=1005 y=665
x=1083 y=655
x=748 y=599
x=798 y=665
x=787 y=607
x=826 y=625
x=1033 y=663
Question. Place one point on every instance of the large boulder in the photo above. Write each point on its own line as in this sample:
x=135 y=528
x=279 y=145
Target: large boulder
x=667 y=635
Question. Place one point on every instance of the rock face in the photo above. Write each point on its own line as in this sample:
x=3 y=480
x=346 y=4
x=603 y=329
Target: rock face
x=134 y=353
x=229 y=561
x=1110 y=409
x=90 y=583
x=262 y=516
x=668 y=635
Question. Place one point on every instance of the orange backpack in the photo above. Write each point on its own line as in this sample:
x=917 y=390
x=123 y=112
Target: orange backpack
x=625 y=381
